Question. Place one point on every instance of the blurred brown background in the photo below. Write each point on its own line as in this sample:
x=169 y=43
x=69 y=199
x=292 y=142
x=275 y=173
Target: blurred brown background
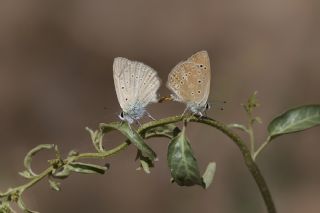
x=56 y=78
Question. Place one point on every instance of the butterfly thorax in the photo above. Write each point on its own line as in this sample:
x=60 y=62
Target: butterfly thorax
x=197 y=108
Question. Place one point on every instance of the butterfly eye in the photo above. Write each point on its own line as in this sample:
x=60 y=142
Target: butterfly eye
x=121 y=115
x=207 y=106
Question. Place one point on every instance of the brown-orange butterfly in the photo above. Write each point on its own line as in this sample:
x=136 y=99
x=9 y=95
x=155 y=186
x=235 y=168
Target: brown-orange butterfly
x=190 y=82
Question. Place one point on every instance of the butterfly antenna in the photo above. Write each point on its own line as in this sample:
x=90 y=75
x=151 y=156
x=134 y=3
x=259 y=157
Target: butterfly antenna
x=218 y=104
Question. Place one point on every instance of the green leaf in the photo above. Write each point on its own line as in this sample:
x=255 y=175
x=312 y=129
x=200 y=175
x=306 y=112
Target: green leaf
x=251 y=103
x=168 y=131
x=132 y=135
x=73 y=153
x=23 y=207
x=96 y=138
x=183 y=165
x=26 y=174
x=54 y=185
x=87 y=168
x=62 y=172
x=294 y=120
x=145 y=165
x=257 y=119
x=238 y=126
x=31 y=153
x=5 y=208
x=209 y=174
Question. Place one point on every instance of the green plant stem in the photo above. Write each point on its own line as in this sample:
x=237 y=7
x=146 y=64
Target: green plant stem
x=70 y=159
x=29 y=184
x=253 y=168
x=250 y=132
x=105 y=154
x=262 y=146
x=251 y=139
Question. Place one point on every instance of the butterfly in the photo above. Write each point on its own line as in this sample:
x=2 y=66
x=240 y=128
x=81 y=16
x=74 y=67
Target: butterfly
x=136 y=85
x=190 y=82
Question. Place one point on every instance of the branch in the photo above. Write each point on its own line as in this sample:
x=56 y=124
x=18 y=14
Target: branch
x=253 y=168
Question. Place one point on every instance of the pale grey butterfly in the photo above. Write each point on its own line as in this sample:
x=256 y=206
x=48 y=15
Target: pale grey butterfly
x=190 y=82
x=136 y=86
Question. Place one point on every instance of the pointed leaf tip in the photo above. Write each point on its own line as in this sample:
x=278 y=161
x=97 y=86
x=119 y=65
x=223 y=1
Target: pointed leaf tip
x=183 y=165
x=54 y=185
x=29 y=156
x=23 y=207
x=132 y=136
x=208 y=175
x=87 y=168
x=294 y=120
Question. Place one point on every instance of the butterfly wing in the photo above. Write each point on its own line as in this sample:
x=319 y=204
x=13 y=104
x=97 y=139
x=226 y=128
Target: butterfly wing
x=148 y=85
x=122 y=82
x=190 y=79
x=136 y=84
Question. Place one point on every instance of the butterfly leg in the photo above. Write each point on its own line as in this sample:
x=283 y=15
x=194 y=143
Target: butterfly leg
x=138 y=122
x=150 y=116
x=205 y=114
x=200 y=114
x=184 y=112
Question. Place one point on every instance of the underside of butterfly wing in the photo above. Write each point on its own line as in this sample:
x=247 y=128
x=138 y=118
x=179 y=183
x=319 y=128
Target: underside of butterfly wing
x=136 y=86
x=190 y=81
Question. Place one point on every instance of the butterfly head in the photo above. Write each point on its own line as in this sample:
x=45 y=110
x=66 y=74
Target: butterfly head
x=125 y=117
x=134 y=113
x=199 y=109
